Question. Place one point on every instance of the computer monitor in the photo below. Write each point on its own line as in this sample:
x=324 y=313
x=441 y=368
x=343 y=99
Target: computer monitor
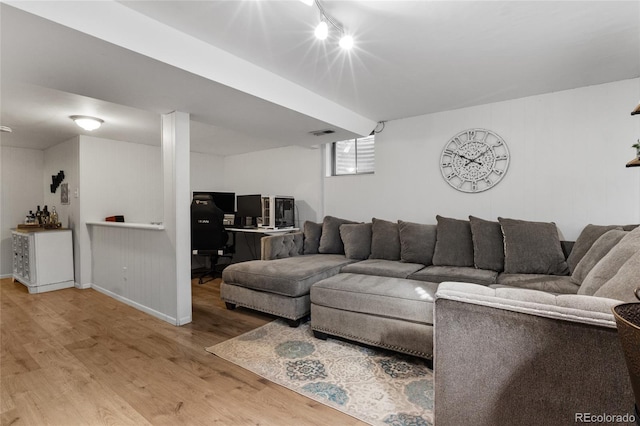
x=226 y=201
x=249 y=206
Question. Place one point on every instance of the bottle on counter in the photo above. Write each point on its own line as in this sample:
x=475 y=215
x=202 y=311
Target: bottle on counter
x=54 y=216
x=45 y=215
x=39 y=216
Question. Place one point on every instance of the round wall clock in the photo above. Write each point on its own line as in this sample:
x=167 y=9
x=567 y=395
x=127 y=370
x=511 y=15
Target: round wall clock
x=474 y=160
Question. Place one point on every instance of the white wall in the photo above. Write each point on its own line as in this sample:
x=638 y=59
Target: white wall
x=568 y=152
x=120 y=178
x=291 y=171
x=64 y=156
x=207 y=172
x=22 y=190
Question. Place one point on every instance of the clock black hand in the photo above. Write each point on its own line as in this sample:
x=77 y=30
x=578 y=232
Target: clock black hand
x=482 y=154
x=469 y=160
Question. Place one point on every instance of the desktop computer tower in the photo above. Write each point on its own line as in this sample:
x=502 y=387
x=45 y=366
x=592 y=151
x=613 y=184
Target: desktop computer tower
x=278 y=211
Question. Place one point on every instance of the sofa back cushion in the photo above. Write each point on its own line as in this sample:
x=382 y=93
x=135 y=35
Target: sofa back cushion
x=356 y=238
x=417 y=242
x=312 y=232
x=385 y=240
x=454 y=244
x=585 y=240
x=330 y=241
x=532 y=248
x=598 y=250
x=488 y=244
x=624 y=283
x=611 y=263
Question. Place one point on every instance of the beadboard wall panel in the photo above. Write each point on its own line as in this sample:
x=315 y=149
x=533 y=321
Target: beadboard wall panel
x=137 y=267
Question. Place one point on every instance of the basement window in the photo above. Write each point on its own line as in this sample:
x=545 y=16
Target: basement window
x=353 y=156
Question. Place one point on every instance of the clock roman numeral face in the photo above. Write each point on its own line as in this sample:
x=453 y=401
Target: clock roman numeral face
x=474 y=160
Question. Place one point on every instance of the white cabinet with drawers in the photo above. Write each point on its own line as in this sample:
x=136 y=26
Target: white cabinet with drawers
x=43 y=259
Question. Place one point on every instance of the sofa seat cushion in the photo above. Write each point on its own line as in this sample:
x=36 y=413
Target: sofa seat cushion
x=558 y=284
x=292 y=276
x=438 y=274
x=397 y=298
x=383 y=268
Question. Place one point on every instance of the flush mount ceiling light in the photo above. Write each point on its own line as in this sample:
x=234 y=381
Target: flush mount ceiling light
x=322 y=29
x=86 y=122
x=5 y=129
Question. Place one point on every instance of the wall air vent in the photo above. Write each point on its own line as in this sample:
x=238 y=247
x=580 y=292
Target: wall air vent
x=322 y=132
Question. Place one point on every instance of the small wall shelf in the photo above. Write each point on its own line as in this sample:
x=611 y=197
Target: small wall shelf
x=149 y=226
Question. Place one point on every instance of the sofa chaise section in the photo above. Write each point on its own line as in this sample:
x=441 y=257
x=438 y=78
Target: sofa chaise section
x=279 y=287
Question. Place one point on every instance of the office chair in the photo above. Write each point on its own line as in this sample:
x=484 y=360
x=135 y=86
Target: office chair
x=208 y=235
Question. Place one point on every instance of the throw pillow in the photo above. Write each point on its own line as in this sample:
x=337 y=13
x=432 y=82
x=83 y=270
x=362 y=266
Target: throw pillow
x=598 y=250
x=357 y=240
x=312 y=232
x=532 y=248
x=454 y=244
x=417 y=242
x=611 y=263
x=330 y=241
x=385 y=240
x=585 y=240
x=624 y=283
x=488 y=244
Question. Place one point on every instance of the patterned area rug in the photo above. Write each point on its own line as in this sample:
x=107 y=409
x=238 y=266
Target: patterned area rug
x=376 y=386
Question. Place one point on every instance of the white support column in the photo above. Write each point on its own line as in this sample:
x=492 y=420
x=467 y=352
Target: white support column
x=175 y=163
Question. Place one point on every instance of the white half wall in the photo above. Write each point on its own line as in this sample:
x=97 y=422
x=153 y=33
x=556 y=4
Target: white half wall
x=22 y=190
x=294 y=171
x=568 y=155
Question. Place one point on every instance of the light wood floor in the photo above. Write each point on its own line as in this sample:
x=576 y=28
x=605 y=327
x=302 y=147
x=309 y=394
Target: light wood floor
x=78 y=357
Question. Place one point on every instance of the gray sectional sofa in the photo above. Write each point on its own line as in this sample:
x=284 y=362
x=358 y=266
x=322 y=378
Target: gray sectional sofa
x=519 y=323
x=376 y=283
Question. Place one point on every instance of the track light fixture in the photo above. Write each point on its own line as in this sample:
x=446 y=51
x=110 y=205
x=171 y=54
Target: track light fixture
x=322 y=29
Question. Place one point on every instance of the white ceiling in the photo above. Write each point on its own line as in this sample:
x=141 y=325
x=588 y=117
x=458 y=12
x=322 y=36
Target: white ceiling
x=411 y=58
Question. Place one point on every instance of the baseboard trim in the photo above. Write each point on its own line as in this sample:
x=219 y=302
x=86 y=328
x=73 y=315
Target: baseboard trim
x=6 y=276
x=185 y=320
x=171 y=320
x=83 y=286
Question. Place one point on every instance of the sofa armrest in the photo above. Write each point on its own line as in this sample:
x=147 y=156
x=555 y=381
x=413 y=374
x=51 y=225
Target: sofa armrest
x=516 y=356
x=281 y=246
x=569 y=307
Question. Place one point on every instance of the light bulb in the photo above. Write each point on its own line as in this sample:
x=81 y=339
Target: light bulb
x=322 y=30
x=346 y=42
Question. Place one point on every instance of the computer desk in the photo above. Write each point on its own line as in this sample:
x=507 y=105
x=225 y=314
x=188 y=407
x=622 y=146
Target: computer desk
x=266 y=231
